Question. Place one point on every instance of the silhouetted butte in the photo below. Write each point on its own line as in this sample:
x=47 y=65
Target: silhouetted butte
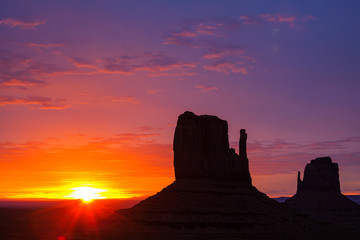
x=212 y=196
x=319 y=195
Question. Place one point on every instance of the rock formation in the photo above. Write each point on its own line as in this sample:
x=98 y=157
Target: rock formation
x=319 y=195
x=212 y=196
x=201 y=150
x=320 y=175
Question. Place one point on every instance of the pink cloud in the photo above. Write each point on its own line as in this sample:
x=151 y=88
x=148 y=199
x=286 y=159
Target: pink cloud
x=185 y=34
x=213 y=56
x=247 y=20
x=44 y=45
x=42 y=102
x=149 y=62
x=206 y=88
x=191 y=31
x=226 y=67
x=23 y=72
x=226 y=51
x=277 y=18
x=154 y=91
x=21 y=24
x=82 y=63
x=15 y=71
x=123 y=99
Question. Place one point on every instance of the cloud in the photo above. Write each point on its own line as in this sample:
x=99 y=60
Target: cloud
x=15 y=23
x=154 y=91
x=193 y=29
x=20 y=71
x=42 y=102
x=123 y=99
x=309 y=17
x=157 y=62
x=206 y=88
x=193 y=33
x=185 y=34
x=223 y=51
x=82 y=63
x=311 y=146
x=145 y=128
x=132 y=162
x=44 y=45
x=247 y=20
x=15 y=72
x=148 y=62
x=132 y=137
x=279 y=156
x=278 y=18
x=226 y=67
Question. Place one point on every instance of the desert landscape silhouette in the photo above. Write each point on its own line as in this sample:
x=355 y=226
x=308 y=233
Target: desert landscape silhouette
x=212 y=197
x=201 y=119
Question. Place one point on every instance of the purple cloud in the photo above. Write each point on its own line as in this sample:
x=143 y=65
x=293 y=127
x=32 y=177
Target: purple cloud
x=226 y=67
x=148 y=62
x=206 y=88
x=15 y=72
x=44 y=45
x=15 y=23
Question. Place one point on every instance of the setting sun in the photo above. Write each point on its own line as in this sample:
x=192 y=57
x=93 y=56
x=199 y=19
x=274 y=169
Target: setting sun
x=87 y=194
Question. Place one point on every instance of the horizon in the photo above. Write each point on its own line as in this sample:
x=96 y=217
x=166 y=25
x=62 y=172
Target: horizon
x=90 y=91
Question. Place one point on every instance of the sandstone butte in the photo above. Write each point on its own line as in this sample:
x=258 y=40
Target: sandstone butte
x=319 y=195
x=212 y=196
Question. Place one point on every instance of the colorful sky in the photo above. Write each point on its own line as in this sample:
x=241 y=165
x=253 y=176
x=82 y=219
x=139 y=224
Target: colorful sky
x=90 y=91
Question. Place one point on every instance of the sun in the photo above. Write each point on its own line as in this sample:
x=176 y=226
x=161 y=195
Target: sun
x=87 y=194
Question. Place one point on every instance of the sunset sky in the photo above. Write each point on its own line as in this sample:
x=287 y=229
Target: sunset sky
x=90 y=91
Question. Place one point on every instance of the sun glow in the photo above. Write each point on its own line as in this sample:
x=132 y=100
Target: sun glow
x=87 y=194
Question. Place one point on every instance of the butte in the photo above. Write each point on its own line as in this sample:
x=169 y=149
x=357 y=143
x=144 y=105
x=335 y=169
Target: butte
x=319 y=195
x=212 y=196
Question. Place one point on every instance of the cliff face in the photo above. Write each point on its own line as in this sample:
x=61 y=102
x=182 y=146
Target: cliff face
x=320 y=188
x=201 y=150
x=320 y=175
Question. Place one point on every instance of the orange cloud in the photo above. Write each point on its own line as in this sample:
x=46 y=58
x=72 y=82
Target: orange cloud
x=124 y=99
x=154 y=91
x=42 y=102
x=21 y=24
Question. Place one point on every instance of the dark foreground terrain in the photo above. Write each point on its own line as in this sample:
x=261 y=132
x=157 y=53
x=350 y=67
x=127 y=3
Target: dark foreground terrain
x=74 y=220
x=60 y=220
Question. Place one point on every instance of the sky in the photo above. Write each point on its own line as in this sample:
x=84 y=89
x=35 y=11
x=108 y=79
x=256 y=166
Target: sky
x=90 y=91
